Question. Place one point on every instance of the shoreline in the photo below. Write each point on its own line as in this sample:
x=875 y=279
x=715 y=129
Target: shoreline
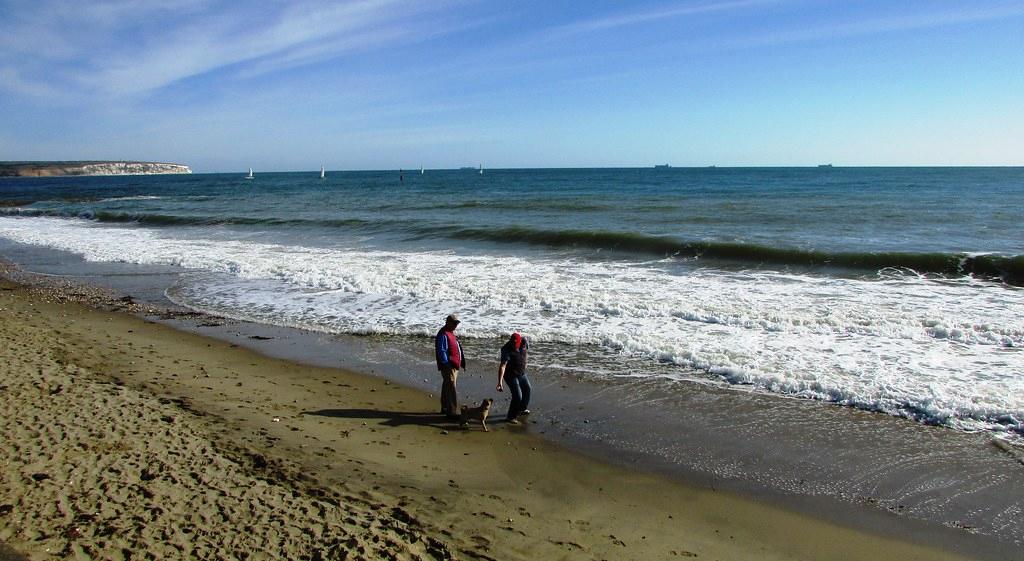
x=403 y=457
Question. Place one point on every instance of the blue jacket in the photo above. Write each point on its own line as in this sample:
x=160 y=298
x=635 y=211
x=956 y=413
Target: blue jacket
x=441 y=351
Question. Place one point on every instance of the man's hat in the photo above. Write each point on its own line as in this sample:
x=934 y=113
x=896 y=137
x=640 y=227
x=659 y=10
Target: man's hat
x=452 y=318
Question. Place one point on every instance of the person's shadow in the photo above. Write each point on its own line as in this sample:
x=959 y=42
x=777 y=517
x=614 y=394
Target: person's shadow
x=391 y=418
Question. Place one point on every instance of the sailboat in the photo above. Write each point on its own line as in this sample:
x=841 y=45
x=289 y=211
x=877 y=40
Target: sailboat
x=481 y=169
x=421 y=170
x=250 y=174
x=321 y=171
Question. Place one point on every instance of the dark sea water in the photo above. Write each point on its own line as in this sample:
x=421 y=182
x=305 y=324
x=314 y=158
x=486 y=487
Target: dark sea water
x=680 y=305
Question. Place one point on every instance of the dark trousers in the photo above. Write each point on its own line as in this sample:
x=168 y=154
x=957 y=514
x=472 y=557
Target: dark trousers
x=519 y=387
x=449 y=398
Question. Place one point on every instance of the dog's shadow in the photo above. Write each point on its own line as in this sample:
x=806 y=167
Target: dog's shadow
x=390 y=418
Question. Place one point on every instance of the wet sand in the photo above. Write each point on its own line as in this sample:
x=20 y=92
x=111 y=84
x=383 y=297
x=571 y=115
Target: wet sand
x=132 y=439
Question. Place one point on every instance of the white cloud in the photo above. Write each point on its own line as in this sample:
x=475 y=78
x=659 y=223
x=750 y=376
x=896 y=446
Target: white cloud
x=634 y=18
x=965 y=15
x=312 y=52
x=233 y=39
x=12 y=81
x=126 y=48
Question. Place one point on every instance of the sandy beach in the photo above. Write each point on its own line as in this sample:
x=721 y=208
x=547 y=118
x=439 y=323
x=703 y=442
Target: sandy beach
x=128 y=439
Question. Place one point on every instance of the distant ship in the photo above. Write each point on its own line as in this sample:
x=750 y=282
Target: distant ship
x=421 y=170
x=481 y=169
x=824 y=165
x=661 y=166
x=250 y=174
x=321 y=171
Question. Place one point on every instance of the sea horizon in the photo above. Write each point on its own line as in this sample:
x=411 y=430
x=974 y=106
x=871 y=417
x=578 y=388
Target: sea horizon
x=415 y=168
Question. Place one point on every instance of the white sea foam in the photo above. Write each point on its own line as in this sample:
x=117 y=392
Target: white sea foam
x=943 y=351
x=132 y=198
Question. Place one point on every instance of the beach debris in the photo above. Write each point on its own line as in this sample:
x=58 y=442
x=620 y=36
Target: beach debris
x=275 y=420
x=260 y=337
x=438 y=549
x=6 y=509
x=40 y=476
x=961 y=526
x=73 y=532
x=258 y=461
x=568 y=545
x=444 y=432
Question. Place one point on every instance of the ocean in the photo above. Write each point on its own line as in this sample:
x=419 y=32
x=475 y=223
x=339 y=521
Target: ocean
x=894 y=290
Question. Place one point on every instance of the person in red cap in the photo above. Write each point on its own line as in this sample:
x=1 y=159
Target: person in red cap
x=512 y=371
x=450 y=359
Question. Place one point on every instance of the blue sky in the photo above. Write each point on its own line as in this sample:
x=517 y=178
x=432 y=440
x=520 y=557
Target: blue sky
x=380 y=84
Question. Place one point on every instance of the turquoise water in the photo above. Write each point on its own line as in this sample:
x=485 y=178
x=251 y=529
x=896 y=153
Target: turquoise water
x=888 y=289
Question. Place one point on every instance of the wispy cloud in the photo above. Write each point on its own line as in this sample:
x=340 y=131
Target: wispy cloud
x=298 y=35
x=12 y=81
x=635 y=18
x=134 y=47
x=966 y=14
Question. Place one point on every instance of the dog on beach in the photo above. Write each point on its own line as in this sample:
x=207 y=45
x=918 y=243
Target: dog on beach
x=476 y=414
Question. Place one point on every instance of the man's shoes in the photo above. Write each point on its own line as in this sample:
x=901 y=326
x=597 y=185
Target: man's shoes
x=524 y=413
x=512 y=421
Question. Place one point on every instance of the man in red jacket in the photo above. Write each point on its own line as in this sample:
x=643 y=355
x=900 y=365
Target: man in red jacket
x=450 y=360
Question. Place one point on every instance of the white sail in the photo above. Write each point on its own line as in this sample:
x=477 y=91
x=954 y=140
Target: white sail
x=421 y=170
x=321 y=171
x=250 y=174
x=481 y=169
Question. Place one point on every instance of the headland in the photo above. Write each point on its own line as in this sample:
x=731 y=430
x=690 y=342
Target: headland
x=89 y=167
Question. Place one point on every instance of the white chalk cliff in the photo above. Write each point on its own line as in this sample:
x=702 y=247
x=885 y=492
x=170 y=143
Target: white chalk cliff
x=52 y=169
